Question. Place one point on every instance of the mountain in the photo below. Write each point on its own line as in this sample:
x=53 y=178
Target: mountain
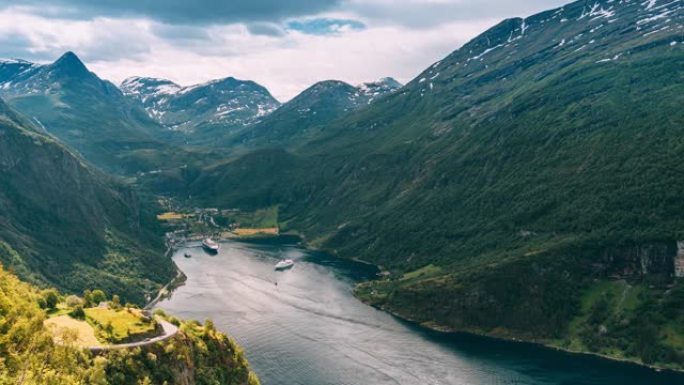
x=526 y=186
x=203 y=112
x=307 y=114
x=65 y=224
x=89 y=114
x=378 y=88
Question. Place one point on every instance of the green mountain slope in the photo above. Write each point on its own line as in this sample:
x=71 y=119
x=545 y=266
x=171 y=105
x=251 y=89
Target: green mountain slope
x=523 y=186
x=65 y=224
x=306 y=116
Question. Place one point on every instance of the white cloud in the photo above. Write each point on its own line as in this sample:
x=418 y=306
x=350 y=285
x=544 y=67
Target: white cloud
x=286 y=63
x=289 y=65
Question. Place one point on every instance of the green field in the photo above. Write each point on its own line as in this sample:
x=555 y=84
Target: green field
x=258 y=219
x=122 y=325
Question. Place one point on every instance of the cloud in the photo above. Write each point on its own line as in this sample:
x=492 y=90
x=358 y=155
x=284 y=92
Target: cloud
x=179 y=11
x=427 y=13
x=267 y=29
x=182 y=32
x=98 y=39
x=15 y=45
x=281 y=48
x=287 y=65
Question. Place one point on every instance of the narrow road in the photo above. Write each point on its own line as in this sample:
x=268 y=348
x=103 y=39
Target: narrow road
x=170 y=330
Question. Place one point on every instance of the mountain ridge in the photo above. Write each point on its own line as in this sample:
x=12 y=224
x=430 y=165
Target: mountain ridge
x=205 y=111
x=305 y=116
x=87 y=113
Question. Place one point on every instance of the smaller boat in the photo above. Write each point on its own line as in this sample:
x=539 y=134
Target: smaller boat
x=284 y=264
x=187 y=255
x=210 y=246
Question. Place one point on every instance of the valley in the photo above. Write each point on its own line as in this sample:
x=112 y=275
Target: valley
x=515 y=169
x=524 y=187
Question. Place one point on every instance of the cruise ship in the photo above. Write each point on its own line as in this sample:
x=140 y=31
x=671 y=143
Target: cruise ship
x=284 y=264
x=210 y=246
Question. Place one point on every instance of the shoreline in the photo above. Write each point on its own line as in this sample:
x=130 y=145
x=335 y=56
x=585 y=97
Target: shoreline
x=426 y=326
x=170 y=286
x=434 y=327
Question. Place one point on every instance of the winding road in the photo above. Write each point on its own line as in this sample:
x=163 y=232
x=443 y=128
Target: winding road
x=170 y=330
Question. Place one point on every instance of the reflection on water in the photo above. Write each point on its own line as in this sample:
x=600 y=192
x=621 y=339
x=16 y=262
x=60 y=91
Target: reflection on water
x=303 y=326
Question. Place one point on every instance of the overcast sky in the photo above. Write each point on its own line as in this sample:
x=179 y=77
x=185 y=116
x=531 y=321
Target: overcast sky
x=285 y=45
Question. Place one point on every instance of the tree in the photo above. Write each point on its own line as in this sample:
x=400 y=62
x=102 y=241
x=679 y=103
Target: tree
x=98 y=374
x=209 y=325
x=87 y=297
x=109 y=329
x=78 y=312
x=97 y=296
x=51 y=298
x=116 y=301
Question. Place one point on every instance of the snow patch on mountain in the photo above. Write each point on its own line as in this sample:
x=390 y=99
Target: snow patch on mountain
x=228 y=102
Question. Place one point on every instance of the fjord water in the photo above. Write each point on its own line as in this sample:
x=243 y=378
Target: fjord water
x=308 y=329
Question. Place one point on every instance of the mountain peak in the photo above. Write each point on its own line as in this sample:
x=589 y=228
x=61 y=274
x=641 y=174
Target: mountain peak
x=329 y=85
x=137 y=85
x=70 y=64
x=386 y=82
x=69 y=58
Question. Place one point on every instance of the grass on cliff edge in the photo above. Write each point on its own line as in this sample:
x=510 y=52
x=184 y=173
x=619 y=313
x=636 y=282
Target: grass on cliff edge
x=117 y=325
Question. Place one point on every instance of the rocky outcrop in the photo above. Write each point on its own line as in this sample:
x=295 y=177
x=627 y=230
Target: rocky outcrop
x=639 y=260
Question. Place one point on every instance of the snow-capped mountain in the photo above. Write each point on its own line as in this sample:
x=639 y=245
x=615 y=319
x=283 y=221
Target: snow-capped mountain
x=314 y=108
x=605 y=32
x=378 y=88
x=89 y=114
x=20 y=77
x=227 y=104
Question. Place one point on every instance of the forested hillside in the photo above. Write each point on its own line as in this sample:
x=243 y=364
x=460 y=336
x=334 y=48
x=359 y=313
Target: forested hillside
x=197 y=355
x=64 y=223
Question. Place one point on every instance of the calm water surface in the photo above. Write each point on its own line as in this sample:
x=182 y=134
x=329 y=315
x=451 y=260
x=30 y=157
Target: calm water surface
x=310 y=330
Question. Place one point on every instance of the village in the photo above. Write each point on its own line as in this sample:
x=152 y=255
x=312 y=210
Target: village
x=185 y=224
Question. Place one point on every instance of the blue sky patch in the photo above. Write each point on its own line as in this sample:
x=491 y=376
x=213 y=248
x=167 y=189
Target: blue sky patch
x=325 y=26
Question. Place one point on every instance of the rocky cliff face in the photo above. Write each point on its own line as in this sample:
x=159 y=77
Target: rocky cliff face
x=679 y=260
x=638 y=261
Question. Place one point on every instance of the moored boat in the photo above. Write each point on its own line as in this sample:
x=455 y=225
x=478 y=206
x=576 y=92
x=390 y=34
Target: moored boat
x=284 y=264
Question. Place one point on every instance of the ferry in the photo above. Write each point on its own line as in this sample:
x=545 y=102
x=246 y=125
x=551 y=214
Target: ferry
x=210 y=246
x=284 y=264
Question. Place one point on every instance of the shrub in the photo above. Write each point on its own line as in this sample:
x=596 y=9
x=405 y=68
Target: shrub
x=73 y=301
x=78 y=312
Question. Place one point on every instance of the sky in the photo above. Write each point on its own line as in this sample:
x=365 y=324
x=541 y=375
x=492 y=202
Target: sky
x=285 y=45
